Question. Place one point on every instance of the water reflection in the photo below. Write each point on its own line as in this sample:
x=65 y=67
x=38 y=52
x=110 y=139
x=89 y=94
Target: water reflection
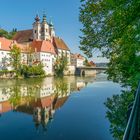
x=117 y=113
x=38 y=97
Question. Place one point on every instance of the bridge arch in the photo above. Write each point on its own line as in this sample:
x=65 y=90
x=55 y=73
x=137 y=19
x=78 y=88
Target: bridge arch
x=82 y=72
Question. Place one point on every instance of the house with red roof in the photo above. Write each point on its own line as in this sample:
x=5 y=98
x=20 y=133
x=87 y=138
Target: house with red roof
x=61 y=48
x=4 y=52
x=5 y=47
x=77 y=60
x=44 y=52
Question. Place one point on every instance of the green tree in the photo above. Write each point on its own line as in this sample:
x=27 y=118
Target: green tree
x=15 y=58
x=117 y=113
x=30 y=54
x=12 y=33
x=34 y=70
x=86 y=63
x=3 y=33
x=60 y=65
x=6 y=34
x=113 y=27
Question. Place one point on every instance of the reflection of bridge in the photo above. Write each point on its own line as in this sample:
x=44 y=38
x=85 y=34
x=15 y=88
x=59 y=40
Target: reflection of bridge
x=81 y=71
x=133 y=125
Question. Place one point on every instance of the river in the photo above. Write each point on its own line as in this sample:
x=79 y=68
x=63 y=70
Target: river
x=71 y=108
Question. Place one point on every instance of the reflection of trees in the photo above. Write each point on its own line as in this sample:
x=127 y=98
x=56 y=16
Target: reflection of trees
x=117 y=107
x=27 y=96
x=61 y=86
x=15 y=97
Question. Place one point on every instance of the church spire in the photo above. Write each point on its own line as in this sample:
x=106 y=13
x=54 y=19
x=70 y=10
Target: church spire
x=37 y=19
x=52 y=30
x=44 y=17
x=51 y=23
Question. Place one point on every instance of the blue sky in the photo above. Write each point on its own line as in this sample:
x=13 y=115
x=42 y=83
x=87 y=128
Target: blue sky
x=64 y=13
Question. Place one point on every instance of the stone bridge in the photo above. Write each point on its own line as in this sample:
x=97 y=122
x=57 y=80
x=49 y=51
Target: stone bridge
x=82 y=71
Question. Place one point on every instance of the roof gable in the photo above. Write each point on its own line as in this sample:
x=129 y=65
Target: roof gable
x=5 y=44
x=60 y=44
x=23 y=36
x=43 y=46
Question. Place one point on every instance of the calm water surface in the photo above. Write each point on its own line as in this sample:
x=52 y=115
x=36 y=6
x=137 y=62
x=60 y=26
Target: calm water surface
x=71 y=108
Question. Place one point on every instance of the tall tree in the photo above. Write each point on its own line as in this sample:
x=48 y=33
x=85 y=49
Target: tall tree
x=113 y=27
x=60 y=65
x=15 y=57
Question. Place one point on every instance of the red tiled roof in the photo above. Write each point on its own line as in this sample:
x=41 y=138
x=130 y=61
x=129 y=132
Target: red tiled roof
x=43 y=46
x=23 y=47
x=60 y=44
x=23 y=36
x=77 y=56
x=5 y=106
x=60 y=102
x=44 y=102
x=5 y=44
x=92 y=63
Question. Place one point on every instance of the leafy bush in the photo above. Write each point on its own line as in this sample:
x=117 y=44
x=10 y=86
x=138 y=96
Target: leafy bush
x=36 y=70
x=60 y=65
x=6 y=71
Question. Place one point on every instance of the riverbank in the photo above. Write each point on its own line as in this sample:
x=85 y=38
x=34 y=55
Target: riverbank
x=12 y=74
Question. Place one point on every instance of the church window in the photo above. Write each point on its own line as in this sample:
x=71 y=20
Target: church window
x=42 y=29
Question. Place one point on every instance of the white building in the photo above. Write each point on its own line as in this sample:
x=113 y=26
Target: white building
x=5 y=47
x=61 y=48
x=4 y=53
x=77 y=60
x=44 y=52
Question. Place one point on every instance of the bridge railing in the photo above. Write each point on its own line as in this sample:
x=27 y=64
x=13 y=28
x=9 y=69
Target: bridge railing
x=132 y=128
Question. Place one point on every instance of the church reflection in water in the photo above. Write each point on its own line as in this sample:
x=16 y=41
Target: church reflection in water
x=38 y=97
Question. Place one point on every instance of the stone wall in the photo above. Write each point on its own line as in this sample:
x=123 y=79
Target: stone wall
x=70 y=70
x=82 y=72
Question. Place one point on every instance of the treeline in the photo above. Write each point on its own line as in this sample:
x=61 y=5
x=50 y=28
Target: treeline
x=6 y=34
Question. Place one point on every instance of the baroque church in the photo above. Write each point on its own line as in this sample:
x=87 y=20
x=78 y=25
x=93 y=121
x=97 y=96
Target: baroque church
x=42 y=30
x=45 y=43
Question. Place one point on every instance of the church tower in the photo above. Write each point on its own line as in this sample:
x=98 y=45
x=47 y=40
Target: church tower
x=37 y=28
x=52 y=30
x=45 y=35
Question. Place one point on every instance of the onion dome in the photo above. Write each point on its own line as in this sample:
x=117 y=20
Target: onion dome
x=44 y=18
x=37 y=19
